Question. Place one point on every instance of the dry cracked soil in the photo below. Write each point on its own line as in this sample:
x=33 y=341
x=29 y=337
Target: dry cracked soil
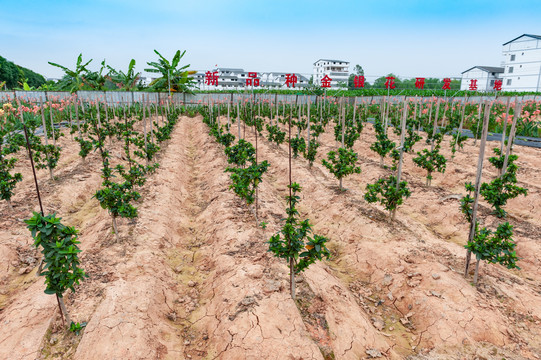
x=191 y=277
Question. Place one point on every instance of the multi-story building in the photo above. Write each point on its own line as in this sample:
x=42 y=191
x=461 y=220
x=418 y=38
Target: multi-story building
x=236 y=79
x=483 y=77
x=520 y=69
x=336 y=70
x=522 y=63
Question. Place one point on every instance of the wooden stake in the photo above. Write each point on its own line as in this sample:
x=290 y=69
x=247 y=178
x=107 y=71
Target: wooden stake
x=518 y=110
x=45 y=137
x=400 y=160
x=505 y=124
x=477 y=188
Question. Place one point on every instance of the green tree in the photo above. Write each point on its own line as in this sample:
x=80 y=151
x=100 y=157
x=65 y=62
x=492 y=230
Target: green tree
x=128 y=79
x=173 y=77
x=74 y=80
x=357 y=71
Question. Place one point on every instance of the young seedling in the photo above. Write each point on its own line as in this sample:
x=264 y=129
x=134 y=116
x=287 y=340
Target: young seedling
x=496 y=248
x=298 y=145
x=8 y=181
x=60 y=255
x=387 y=193
x=383 y=145
x=431 y=160
x=312 y=151
x=275 y=135
x=501 y=189
x=342 y=164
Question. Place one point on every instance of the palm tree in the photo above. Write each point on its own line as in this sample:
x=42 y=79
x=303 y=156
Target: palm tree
x=172 y=78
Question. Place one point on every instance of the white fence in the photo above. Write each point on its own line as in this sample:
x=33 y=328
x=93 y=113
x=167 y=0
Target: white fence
x=123 y=97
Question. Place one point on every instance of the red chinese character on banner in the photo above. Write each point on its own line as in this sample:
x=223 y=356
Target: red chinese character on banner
x=326 y=82
x=252 y=79
x=389 y=84
x=211 y=78
x=358 y=81
x=420 y=83
x=473 y=84
x=498 y=85
x=291 y=79
x=446 y=84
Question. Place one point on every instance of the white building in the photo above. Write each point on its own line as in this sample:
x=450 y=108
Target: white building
x=522 y=63
x=483 y=76
x=521 y=67
x=336 y=70
x=236 y=79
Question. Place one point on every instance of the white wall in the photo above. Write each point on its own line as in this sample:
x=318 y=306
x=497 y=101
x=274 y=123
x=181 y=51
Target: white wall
x=484 y=80
x=526 y=65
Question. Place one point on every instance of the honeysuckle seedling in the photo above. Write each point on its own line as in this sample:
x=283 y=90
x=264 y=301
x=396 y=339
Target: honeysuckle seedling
x=294 y=241
x=58 y=244
x=275 y=134
x=342 y=163
x=383 y=146
x=387 y=193
x=430 y=160
x=501 y=189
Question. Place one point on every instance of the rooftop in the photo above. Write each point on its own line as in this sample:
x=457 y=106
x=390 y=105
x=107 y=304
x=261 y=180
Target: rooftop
x=331 y=60
x=538 y=37
x=491 y=69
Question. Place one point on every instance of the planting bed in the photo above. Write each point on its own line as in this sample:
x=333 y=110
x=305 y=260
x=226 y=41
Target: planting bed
x=192 y=278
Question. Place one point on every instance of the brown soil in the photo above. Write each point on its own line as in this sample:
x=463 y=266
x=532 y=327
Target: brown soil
x=191 y=278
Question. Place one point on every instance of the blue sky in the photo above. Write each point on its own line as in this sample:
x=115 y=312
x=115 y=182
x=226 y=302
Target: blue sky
x=409 y=38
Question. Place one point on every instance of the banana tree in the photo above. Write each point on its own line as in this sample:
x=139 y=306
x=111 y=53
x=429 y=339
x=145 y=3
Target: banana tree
x=128 y=79
x=173 y=78
x=73 y=80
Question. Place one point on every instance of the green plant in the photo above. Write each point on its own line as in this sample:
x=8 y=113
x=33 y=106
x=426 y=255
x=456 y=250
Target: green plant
x=383 y=145
x=430 y=160
x=311 y=152
x=241 y=153
x=411 y=139
x=342 y=163
x=501 y=189
x=467 y=201
x=76 y=328
x=60 y=255
x=117 y=198
x=294 y=242
x=85 y=145
x=498 y=160
x=173 y=77
x=386 y=192
x=457 y=142
x=8 y=181
x=496 y=248
x=352 y=132
x=128 y=80
x=73 y=80
x=245 y=180
x=275 y=135
x=298 y=145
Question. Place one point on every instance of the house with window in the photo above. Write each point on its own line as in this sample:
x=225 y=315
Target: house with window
x=522 y=63
x=483 y=77
x=520 y=69
x=337 y=70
